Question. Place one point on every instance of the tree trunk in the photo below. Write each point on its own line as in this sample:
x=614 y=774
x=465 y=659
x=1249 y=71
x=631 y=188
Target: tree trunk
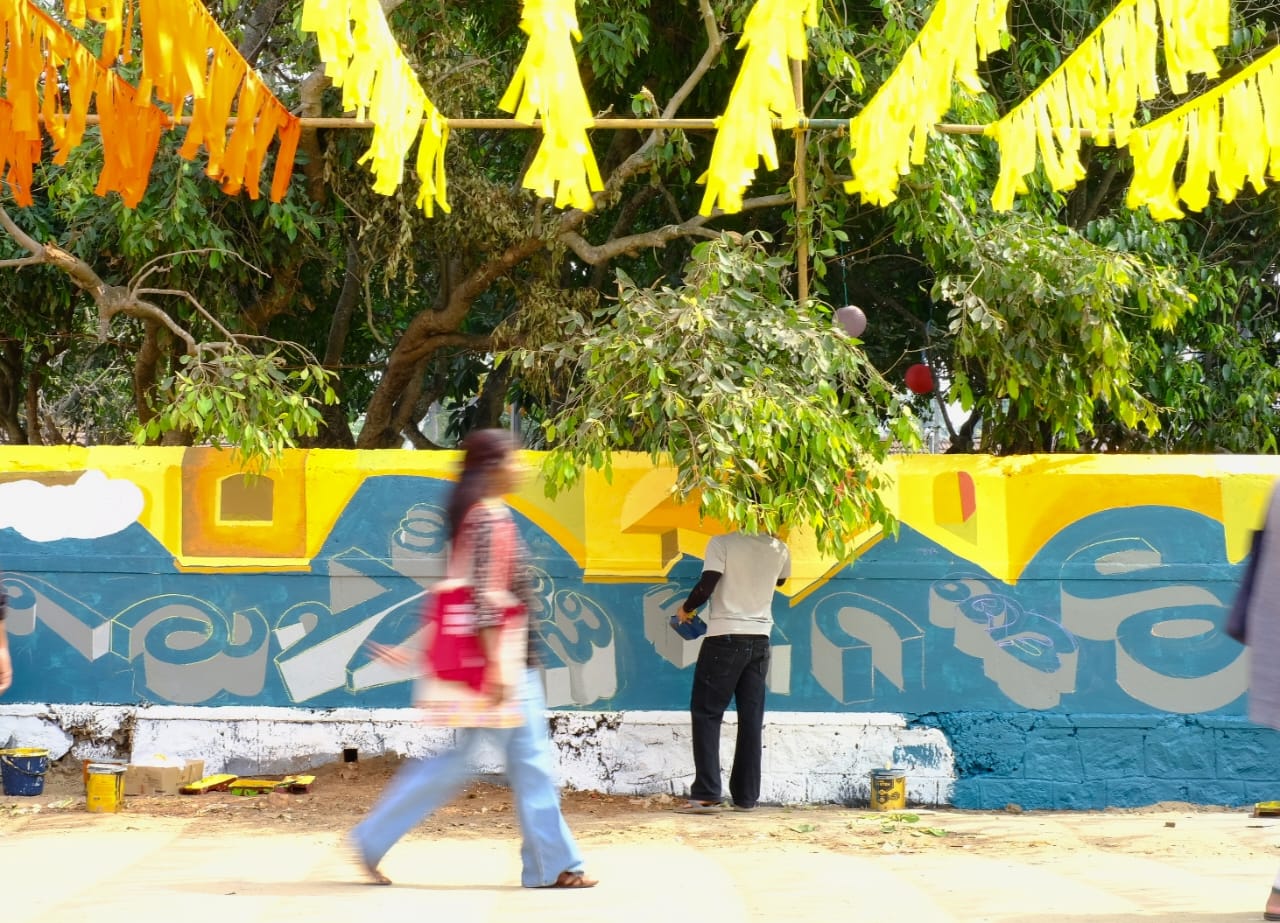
x=257 y=28
x=427 y=332
x=11 y=393
x=31 y=406
x=145 y=366
x=492 y=402
x=336 y=432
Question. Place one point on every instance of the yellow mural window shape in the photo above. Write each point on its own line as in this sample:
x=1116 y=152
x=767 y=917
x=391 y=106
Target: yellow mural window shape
x=246 y=501
x=227 y=520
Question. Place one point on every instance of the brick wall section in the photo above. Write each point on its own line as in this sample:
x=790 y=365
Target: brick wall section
x=1087 y=761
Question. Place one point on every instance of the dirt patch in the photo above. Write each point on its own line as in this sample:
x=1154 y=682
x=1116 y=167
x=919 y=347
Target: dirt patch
x=344 y=792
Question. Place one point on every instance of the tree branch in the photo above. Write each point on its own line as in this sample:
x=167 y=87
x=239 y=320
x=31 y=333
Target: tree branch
x=469 y=341
x=627 y=216
x=153 y=266
x=182 y=334
x=110 y=299
x=659 y=237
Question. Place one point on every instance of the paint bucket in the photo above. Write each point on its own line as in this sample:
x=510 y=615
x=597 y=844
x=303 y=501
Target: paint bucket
x=22 y=770
x=85 y=764
x=105 y=789
x=888 y=789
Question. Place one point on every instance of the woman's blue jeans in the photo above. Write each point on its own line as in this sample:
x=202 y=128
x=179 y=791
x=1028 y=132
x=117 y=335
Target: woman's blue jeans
x=423 y=785
x=730 y=667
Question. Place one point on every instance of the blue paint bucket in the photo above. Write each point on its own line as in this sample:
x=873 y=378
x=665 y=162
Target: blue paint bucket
x=691 y=630
x=22 y=770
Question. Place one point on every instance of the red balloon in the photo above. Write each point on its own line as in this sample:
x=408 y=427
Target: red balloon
x=851 y=318
x=920 y=378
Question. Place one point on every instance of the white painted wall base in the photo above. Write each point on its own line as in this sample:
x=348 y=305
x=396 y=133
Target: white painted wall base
x=809 y=758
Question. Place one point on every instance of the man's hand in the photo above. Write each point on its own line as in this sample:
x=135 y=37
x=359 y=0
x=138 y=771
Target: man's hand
x=684 y=614
x=6 y=668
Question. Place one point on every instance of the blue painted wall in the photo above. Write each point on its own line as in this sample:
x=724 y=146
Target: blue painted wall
x=1099 y=677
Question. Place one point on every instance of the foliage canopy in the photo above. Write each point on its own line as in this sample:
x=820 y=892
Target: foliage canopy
x=1071 y=323
x=771 y=418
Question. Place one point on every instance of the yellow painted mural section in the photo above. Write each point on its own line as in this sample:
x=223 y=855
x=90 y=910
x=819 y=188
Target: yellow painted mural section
x=994 y=512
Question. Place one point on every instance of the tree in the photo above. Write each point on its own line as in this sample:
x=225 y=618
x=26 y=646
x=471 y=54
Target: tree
x=769 y=416
x=407 y=312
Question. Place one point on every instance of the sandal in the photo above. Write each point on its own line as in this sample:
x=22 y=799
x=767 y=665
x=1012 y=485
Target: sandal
x=371 y=870
x=568 y=879
x=701 y=807
x=1272 y=900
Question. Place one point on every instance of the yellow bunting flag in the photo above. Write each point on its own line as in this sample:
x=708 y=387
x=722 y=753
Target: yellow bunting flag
x=363 y=59
x=1230 y=135
x=773 y=35
x=547 y=85
x=1097 y=89
x=891 y=133
x=1192 y=30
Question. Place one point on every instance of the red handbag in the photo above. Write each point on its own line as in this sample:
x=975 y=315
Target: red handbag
x=453 y=651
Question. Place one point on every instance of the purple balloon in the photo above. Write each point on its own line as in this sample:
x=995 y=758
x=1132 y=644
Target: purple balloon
x=851 y=319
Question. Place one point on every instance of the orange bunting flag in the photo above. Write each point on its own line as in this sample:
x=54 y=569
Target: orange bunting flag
x=23 y=66
x=131 y=131
x=18 y=156
x=111 y=13
x=185 y=55
x=63 y=54
x=35 y=50
x=53 y=77
x=50 y=78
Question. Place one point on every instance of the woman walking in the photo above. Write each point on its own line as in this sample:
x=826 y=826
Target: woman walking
x=509 y=707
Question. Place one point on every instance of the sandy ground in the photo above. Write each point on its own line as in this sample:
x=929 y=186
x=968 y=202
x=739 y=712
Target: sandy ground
x=220 y=857
x=344 y=792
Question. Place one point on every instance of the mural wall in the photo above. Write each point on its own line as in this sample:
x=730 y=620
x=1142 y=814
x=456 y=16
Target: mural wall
x=1057 y=617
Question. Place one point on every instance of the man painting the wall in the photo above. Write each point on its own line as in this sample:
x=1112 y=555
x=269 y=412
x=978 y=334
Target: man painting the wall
x=740 y=573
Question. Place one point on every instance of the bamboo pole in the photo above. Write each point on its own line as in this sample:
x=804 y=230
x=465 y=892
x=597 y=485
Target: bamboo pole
x=801 y=192
x=603 y=124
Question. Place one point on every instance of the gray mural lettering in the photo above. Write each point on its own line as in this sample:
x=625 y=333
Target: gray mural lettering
x=856 y=639
x=1032 y=658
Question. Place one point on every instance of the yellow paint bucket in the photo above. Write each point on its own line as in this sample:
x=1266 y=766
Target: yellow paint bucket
x=888 y=789
x=105 y=789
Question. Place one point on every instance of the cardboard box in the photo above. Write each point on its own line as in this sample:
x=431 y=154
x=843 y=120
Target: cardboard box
x=161 y=776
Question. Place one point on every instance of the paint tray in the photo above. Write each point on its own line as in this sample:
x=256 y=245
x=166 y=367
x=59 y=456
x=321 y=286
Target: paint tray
x=215 y=783
x=253 y=786
x=296 y=784
x=1267 y=809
